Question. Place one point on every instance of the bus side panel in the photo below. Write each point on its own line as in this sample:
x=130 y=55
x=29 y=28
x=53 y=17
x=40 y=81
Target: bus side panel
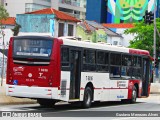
x=9 y=61
x=64 y=86
x=99 y=81
x=131 y=85
x=118 y=90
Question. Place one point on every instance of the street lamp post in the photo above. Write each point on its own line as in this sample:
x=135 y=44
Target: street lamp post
x=154 y=46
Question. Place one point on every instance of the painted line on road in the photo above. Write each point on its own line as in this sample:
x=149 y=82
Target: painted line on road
x=126 y=118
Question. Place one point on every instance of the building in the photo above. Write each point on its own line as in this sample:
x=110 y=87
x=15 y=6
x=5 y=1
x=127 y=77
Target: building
x=96 y=11
x=1 y=2
x=76 y=8
x=95 y=32
x=118 y=11
x=5 y=35
x=6 y=32
x=21 y=6
x=47 y=22
x=120 y=28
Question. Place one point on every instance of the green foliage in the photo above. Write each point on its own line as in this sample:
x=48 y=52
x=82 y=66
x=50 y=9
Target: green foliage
x=144 y=36
x=16 y=29
x=3 y=14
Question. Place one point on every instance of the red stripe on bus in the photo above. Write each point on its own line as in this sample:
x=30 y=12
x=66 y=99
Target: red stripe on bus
x=115 y=88
x=97 y=88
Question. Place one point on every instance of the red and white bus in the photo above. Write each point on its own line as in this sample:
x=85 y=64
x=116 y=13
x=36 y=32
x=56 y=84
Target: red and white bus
x=61 y=69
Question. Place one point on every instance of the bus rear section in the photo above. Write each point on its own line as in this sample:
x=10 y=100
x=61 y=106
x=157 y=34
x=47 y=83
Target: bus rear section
x=32 y=69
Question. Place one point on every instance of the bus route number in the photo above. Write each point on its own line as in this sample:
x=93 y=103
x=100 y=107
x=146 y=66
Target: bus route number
x=89 y=78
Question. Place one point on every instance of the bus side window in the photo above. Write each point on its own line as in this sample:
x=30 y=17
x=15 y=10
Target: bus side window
x=89 y=60
x=102 y=61
x=115 y=65
x=64 y=56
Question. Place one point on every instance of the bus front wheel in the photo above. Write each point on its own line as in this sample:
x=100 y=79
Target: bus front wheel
x=87 y=100
x=46 y=102
x=134 y=95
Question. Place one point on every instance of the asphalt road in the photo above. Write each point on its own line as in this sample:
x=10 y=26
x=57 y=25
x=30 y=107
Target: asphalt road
x=112 y=110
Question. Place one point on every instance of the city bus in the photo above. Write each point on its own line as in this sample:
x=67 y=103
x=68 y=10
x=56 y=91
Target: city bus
x=64 y=69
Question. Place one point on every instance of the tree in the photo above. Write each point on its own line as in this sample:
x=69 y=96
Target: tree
x=144 y=36
x=3 y=16
x=16 y=29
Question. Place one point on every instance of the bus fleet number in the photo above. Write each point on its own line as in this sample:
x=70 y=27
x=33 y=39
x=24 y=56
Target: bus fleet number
x=89 y=78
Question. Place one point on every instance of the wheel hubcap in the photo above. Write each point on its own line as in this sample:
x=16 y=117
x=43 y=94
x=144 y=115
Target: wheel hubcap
x=88 y=98
x=134 y=95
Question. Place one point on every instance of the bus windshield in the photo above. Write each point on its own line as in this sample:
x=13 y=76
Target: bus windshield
x=32 y=48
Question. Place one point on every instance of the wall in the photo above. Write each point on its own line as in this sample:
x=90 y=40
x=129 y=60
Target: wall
x=126 y=38
x=18 y=6
x=101 y=35
x=128 y=11
x=84 y=35
x=96 y=10
x=8 y=33
x=36 y=23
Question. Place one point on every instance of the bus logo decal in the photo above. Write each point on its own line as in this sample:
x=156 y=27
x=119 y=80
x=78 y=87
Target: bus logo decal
x=30 y=75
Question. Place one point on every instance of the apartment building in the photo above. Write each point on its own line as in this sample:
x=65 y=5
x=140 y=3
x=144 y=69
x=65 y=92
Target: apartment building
x=1 y=2
x=21 y=6
x=76 y=8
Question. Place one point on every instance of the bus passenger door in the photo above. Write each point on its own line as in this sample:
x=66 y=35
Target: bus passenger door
x=75 y=70
x=145 y=76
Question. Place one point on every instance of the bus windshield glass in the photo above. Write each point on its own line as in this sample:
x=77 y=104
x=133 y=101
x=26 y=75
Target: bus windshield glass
x=32 y=48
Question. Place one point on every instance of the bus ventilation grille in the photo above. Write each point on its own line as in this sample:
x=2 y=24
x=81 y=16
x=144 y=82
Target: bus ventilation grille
x=63 y=87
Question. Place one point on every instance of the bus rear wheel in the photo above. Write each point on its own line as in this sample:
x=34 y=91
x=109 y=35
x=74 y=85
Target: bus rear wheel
x=46 y=102
x=87 y=100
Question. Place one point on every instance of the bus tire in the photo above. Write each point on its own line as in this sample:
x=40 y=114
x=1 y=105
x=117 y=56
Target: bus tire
x=46 y=102
x=87 y=100
x=134 y=95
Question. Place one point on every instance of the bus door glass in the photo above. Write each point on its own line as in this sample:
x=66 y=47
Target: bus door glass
x=145 y=76
x=75 y=65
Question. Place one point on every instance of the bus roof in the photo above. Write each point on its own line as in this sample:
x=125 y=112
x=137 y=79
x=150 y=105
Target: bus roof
x=74 y=42
x=103 y=46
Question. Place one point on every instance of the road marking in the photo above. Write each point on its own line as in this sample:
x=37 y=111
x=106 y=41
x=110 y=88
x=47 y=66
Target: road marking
x=126 y=118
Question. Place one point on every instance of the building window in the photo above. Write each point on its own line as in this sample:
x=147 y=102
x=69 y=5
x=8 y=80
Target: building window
x=29 y=7
x=70 y=30
x=61 y=30
x=115 y=42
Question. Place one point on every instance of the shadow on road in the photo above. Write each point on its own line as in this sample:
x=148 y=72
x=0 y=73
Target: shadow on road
x=74 y=106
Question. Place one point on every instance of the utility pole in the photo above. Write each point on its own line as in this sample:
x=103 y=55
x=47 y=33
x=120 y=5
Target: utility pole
x=2 y=69
x=154 y=46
